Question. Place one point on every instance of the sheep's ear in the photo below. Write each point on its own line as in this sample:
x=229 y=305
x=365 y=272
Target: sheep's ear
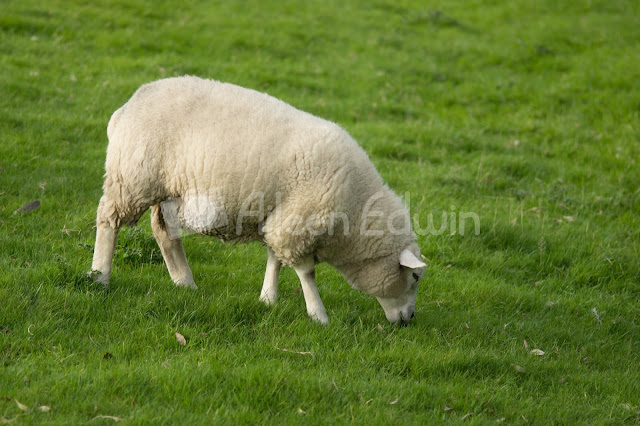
x=409 y=260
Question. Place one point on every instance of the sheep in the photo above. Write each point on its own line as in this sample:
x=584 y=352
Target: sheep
x=238 y=164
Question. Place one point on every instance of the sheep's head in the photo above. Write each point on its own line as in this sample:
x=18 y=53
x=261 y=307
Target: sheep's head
x=393 y=280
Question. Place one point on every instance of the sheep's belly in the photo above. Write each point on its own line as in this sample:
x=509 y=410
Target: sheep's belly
x=206 y=218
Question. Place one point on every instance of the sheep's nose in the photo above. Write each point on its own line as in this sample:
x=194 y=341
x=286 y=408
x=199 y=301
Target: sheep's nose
x=406 y=321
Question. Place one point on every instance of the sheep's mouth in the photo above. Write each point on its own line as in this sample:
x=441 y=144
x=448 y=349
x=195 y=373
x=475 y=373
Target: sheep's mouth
x=404 y=321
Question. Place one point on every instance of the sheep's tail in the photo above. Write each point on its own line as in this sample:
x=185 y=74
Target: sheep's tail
x=115 y=117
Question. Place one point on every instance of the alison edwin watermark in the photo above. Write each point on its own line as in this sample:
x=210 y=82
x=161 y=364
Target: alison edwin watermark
x=208 y=214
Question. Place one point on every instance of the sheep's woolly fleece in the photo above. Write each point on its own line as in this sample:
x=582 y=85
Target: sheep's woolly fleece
x=305 y=179
x=198 y=137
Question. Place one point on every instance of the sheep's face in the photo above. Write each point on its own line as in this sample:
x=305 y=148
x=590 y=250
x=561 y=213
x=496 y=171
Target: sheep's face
x=393 y=280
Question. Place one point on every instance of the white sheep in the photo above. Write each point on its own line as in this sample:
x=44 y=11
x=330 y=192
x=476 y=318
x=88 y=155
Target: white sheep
x=232 y=162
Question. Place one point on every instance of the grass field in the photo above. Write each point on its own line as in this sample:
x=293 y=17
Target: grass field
x=525 y=113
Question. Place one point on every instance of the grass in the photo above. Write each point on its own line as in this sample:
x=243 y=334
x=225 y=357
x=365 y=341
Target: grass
x=525 y=113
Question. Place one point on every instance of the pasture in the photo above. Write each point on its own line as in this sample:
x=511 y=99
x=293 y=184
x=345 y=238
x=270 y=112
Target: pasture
x=523 y=113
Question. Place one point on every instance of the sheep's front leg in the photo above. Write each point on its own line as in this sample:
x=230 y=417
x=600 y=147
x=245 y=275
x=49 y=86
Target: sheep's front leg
x=307 y=273
x=269 y=292
x=172 y=250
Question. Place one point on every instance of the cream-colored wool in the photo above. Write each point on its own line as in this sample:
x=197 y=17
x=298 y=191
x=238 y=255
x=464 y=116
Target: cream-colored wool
x=266 y=172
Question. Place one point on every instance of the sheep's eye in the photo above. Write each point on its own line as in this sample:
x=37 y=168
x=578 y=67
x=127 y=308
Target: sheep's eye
x=416 y=276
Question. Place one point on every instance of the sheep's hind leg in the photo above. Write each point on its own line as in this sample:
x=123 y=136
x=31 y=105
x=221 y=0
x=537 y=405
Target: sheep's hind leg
x=269 y=292
x=172 y=250
x=106 y=236
x=103 y=254
x=307 y=273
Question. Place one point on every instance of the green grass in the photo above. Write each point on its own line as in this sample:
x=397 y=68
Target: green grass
x=526 y=113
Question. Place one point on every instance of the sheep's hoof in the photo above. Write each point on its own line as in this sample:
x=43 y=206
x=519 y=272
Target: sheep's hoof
x=186 y=283
x=97 y=277
x=321 y=318
x=268 y=299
